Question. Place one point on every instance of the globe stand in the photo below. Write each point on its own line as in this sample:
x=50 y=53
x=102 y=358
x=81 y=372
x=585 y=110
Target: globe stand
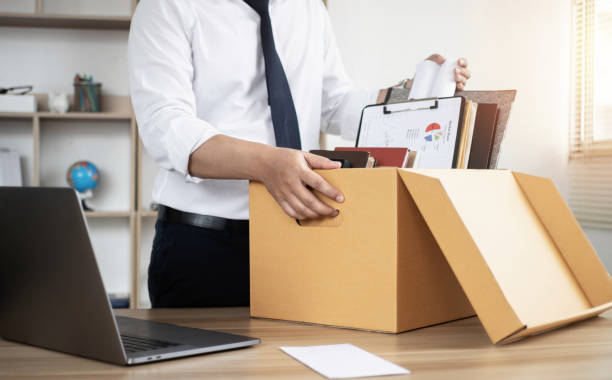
x=85 y=207
x=83 y=196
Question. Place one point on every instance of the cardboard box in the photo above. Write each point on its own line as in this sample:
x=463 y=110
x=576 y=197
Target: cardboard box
x=410 y=244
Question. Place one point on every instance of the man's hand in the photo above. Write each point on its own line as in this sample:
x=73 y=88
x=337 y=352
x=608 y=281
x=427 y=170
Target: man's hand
x=462 y=73
x=288 y=175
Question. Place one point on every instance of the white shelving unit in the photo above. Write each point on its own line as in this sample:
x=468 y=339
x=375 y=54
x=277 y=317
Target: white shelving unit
x=79 y=14
x=49 y=143
x=122 y=225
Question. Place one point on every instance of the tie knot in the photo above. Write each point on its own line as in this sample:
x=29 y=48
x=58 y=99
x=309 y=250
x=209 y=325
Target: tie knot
x=259 y=6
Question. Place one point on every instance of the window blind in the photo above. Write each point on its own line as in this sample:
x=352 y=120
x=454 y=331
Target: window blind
x=590 y=166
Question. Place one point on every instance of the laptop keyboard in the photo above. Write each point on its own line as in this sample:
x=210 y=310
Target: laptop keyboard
x=138 y=344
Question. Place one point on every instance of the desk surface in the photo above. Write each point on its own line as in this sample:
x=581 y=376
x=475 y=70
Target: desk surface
x=460 y=350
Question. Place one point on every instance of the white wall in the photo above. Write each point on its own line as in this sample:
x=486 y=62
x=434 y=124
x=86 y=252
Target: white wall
x=49 y=58
x=510 y=44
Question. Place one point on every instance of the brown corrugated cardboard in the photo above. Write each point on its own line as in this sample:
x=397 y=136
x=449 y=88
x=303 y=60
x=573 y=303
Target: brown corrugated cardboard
x=532 y=246
x=383 y=264
x=353 y=270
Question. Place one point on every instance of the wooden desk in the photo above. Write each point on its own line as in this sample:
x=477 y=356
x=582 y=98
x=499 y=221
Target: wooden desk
x=457 y=350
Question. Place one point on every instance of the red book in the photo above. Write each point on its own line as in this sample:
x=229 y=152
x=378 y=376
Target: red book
x=396 y=157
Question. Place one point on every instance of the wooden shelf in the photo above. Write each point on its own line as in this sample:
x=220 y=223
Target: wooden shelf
x=148 y=214
x=68 y=115
x=46 y=20
x=116 y=107
x=17 y=115
x=86 y=115
x=108 y=214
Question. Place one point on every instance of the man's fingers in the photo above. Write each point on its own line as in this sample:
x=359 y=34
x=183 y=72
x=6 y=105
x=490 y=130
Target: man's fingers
x=291 y=188
x=437 y=58
x=463 y=72
x=461 y=77
x=318 y=183
x=302 y=211
x=313 y=203
x=288 y=209
x=319 y=162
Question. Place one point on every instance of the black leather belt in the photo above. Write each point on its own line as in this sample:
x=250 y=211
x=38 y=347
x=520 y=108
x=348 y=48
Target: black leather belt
x=170 y=215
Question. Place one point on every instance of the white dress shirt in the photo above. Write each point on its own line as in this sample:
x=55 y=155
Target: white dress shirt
x=197 y=70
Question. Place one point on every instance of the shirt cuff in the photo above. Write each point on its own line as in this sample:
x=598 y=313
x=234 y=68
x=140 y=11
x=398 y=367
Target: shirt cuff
x=182 y=142
x=188 y=177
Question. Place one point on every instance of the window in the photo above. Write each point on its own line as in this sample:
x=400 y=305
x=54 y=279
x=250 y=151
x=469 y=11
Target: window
x=590 y=167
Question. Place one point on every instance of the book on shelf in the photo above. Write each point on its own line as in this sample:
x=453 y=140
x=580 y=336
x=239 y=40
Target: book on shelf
x=10 y=168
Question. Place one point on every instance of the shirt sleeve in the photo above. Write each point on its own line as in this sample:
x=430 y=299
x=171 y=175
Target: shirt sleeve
x=161 y=74
x=341 y=103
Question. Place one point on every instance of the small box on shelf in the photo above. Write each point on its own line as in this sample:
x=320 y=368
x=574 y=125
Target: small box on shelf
x=17 y=103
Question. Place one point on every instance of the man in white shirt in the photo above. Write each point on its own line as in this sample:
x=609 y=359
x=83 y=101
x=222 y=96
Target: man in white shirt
x=227 y=91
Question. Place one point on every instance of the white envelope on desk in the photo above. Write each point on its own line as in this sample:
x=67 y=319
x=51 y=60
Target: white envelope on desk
x=430 y=126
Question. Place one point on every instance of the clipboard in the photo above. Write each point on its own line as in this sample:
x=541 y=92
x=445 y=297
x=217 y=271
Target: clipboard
x=432 y=127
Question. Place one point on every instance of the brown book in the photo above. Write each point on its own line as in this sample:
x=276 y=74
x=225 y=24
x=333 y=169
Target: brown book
x=484 y=133
x=413 y=159
x=504 y=100
x=395 y=157
x=466 y=131
x=350 y=159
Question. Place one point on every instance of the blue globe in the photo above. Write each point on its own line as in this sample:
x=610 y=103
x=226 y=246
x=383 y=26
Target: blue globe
x=83 y=176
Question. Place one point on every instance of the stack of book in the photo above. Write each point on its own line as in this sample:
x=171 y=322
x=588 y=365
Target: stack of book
x=463 y=131
x=431 y=126
x=369 y=157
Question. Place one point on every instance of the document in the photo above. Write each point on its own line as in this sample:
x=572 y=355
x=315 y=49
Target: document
x=341 y=361
x=434 y=81
x=430 y=127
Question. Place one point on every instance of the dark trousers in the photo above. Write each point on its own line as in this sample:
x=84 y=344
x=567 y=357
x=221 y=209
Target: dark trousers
x=198 y=267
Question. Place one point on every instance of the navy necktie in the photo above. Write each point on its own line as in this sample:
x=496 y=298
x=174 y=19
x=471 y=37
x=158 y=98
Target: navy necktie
x=284 y=118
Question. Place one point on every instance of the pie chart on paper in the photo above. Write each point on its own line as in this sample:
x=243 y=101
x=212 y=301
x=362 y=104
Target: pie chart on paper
x=433 y=132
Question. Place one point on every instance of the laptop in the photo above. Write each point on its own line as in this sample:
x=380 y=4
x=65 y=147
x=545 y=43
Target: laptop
x=52 y=295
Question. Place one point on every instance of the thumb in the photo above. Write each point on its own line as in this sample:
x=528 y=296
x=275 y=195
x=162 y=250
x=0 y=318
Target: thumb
x=320 y=162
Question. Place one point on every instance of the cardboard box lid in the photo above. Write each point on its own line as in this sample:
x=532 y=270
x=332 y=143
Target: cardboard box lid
x=516 y=249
